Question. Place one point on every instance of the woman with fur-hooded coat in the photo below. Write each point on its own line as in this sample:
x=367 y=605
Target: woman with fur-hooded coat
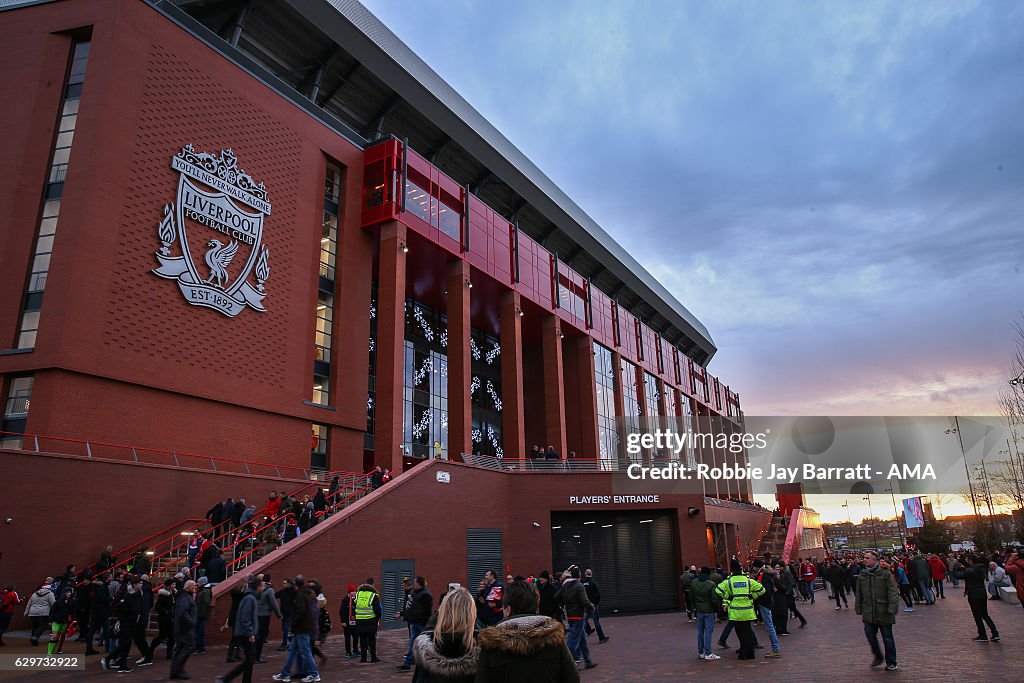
x=526 y=646
x=448 y=652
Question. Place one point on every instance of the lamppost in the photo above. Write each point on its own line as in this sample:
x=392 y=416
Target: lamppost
x=967 y=471
x=874 y=533
x=899 y=526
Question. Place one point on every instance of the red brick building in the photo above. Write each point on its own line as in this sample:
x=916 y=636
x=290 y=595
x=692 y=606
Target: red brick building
x=269 y=231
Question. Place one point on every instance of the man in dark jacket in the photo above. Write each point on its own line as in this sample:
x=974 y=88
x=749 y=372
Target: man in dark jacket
x=702 y=598
x=488 y=599
x=286 y=596
x=547 y=590
x=216 y=568
x=835 y=574
x=594 y=595
x=877 y=601
x=185 y=615
x=921 y=576
x=99 y=611
x=244 y=632
x=526 y=646
x=165 y=598
x=204 y=605
x=300 y=651
x=127 y=606
x=685 y=579
x=974 y=589
x=573 y=596
x=215 y=514
x=421 y=606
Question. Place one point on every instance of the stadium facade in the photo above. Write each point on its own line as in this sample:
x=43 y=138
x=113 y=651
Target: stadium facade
x=267 y=230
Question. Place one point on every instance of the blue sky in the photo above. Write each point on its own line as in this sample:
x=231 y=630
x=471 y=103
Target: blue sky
x=834 y=189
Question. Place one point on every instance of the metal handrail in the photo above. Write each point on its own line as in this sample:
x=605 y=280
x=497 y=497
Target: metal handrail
x=134 y=454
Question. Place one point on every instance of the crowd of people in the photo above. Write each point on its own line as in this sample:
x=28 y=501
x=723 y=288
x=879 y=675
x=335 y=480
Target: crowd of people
x=769 y=590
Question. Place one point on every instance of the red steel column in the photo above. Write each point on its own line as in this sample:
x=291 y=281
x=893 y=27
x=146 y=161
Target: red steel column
x=390 y=347
x=513 y=423
x=554 y=390
x=587 y=398
x=460 y=369
x=661 y=422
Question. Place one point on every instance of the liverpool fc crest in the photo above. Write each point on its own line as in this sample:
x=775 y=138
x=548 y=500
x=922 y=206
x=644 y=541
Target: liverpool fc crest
x=221 y=241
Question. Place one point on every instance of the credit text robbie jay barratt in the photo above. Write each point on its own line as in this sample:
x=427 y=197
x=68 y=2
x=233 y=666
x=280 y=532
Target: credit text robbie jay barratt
x=806 y=472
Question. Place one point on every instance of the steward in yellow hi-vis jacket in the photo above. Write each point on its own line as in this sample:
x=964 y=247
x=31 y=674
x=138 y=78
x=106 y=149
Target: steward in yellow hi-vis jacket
x=738 y=593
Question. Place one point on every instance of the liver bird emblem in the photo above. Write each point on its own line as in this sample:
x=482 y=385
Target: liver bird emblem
x=218 y=259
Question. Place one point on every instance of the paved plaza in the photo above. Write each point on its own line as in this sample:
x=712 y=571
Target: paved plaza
x=933 y=644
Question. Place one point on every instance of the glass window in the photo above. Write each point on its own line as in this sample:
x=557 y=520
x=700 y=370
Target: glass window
x=47 y=226
x=425 y=393
x=630 y=399
x=19 y=396
x=604 y=380
x=319 y=450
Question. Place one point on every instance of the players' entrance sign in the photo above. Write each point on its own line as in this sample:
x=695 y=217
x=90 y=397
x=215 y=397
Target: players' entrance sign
x=221 y=242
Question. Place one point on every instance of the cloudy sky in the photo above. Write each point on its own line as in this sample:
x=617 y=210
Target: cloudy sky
x=834 y=189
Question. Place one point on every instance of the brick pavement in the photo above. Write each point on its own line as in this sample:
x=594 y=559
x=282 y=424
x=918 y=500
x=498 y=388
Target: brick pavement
x=933 y=644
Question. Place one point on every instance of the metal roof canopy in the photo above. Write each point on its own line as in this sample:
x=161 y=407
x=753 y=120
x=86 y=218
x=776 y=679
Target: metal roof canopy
x=357 y=32
x=362 y=35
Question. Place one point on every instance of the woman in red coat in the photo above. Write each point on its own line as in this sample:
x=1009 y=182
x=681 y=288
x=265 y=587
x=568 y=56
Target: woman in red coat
x=1015 y=568
x=938 y=568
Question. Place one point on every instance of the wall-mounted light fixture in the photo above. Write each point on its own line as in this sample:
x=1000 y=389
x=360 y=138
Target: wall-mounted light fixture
x=404 y=247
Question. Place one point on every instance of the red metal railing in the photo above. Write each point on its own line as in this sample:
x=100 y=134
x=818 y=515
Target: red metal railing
x=170 y=550
x=101 y=450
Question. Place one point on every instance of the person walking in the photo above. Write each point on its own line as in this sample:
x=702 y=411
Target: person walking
x=921 y=574
x=185 y=619
x=836 y=577
x=244 y=632
x=37 y=609
x=594 y=595
x=780 y=605
x=8 y=600
x=526 y=646
x=903 y=582
x=300 y=652
x=448 y=653
x=685 y=579
x=702 y=600
x=738 y=594
x=974 y=589
x=788 y=582
x=938 y=573
x=420 y=607
x=204 y=605
x=877 y=601
x=165 y=599
x=266 y=607
x=766 y=577
x=573 y=596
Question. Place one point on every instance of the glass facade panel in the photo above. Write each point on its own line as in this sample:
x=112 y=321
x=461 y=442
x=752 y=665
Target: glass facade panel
x=485 y=394
x=425 y=395
x=16 y=405
x=630 y=399
x=371 y=389
x=323 y=331
x=604 y=381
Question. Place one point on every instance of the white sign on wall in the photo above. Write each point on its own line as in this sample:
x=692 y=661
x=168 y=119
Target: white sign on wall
x=221 y=242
